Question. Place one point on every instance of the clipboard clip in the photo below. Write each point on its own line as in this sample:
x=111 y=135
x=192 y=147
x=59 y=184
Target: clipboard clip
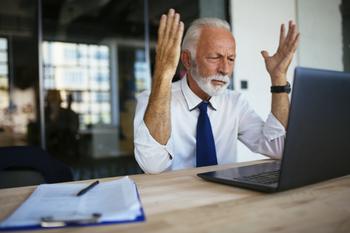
x=48 y=222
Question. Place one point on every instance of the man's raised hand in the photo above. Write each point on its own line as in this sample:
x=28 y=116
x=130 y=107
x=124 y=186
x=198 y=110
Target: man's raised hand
x=169 y=45
x=277 y=65
x=157 y=115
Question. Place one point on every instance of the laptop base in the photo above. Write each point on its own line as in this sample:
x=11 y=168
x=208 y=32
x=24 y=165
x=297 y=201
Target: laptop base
x=233 y=176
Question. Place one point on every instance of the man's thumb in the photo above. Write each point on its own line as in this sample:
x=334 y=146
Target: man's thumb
x=265 y=54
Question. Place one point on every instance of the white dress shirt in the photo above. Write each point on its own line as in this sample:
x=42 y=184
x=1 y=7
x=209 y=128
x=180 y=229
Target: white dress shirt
x=231 y=118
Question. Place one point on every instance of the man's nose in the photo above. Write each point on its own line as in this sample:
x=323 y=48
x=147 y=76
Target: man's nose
x=224 y=67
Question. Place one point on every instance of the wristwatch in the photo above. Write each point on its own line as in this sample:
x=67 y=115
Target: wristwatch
x=281 y=89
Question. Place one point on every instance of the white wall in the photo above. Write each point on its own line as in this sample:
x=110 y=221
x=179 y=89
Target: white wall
x=320 y=26
x=256 y=26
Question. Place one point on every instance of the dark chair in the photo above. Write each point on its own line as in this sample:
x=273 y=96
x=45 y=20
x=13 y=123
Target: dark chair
x=29 y=165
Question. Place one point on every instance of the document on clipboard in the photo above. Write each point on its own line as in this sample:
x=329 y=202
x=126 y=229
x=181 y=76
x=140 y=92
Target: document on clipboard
x=58 y=205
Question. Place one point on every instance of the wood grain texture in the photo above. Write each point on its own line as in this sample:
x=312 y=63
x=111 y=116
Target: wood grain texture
x=179 y=201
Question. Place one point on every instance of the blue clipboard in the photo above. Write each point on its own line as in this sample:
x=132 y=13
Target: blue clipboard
x=94 y=220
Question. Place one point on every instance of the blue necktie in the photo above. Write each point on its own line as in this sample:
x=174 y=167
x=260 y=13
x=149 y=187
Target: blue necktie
x=205 y=148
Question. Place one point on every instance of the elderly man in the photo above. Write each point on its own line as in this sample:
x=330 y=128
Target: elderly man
x=196 y=121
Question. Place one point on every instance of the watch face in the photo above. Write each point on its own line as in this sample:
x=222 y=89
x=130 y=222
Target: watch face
x=288 y=89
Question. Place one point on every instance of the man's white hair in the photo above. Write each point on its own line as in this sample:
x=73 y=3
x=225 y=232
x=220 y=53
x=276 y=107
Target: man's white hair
x=192 y=35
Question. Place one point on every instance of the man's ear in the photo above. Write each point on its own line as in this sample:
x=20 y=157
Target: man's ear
x=186 y=59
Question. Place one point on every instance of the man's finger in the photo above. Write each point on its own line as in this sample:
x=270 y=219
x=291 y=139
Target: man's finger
x=265 y=54
x=161 y=29
x=179 y=33
x=169 y=23
x=282 y=35
x=175 y=26
x=295 y=43
x=291 y=39
x=295 y=33
x=291 y=31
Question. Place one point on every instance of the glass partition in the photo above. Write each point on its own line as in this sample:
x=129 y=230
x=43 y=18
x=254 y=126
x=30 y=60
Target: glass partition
x=18 y=70
x=96 y=58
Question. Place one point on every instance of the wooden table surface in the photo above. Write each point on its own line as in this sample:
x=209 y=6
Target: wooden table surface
x=180 y=201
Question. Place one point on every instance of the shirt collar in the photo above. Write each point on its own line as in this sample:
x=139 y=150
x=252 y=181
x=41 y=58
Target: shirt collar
x=192 y=99
x=214 y=102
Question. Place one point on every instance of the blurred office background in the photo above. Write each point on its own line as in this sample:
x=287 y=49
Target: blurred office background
x=70 y=69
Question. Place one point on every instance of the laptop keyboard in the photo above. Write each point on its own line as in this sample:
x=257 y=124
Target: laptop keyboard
x=269 y=177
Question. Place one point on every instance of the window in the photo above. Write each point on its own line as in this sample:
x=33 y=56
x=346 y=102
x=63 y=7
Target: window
x=80 y=70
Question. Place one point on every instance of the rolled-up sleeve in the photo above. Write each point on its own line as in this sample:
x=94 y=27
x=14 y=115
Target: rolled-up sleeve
x=152 y=156
x=266 y=138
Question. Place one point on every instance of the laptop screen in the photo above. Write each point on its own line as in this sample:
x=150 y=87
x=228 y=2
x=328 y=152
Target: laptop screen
x=317 y=146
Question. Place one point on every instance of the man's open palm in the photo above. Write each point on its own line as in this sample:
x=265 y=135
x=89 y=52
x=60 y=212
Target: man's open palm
x=169 y=44
x=277 y=64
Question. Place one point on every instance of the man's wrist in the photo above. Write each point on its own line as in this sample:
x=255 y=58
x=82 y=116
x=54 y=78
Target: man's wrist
x=278 y=80
x=164 y=75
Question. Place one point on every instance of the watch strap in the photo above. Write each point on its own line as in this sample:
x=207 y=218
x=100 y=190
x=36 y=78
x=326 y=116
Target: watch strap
x=281 y=89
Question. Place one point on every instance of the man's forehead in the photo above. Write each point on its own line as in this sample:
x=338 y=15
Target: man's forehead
x=216 y=38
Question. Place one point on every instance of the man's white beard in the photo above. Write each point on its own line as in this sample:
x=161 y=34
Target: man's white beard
x=205 y=82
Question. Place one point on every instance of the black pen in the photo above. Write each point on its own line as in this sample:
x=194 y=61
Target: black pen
x=84 y=190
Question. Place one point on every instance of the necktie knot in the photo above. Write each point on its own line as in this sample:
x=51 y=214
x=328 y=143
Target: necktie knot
x=203 y=107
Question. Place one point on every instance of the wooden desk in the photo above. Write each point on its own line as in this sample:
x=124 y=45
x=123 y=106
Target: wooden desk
x=182 y=202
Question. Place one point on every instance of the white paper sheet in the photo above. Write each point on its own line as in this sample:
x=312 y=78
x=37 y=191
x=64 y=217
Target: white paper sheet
x=116 y=200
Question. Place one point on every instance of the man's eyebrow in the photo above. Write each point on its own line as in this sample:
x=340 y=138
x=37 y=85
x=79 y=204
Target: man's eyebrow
x=213 y=55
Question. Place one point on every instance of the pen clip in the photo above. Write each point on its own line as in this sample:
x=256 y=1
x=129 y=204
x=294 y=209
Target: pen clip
x=48 y=222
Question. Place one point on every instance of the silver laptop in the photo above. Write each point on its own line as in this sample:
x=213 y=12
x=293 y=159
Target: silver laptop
x=317 y=145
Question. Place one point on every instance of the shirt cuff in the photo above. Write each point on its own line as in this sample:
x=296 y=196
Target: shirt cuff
x=147 y=139
x=273 y=128
x=152 y=156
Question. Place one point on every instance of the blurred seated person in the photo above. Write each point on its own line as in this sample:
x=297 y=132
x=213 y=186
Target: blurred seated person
x=62 y=125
